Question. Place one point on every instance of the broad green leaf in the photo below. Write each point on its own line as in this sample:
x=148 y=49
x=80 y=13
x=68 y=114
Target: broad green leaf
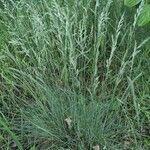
x=144 y=18
x=131 y=3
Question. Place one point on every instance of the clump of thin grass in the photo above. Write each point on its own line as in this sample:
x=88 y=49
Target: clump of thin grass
x=89 y=51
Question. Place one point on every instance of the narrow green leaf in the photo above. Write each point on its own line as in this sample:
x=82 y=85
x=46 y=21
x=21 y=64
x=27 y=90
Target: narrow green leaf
x=131 y=3
x=144 y=18
x=14 y=137
x=1 y=138
x=33 y=148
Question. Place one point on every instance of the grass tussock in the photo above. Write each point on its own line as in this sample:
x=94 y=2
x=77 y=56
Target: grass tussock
x=73 y=75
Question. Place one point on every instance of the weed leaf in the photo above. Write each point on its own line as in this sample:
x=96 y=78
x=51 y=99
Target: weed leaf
x=144 y=18
x=131 y=3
